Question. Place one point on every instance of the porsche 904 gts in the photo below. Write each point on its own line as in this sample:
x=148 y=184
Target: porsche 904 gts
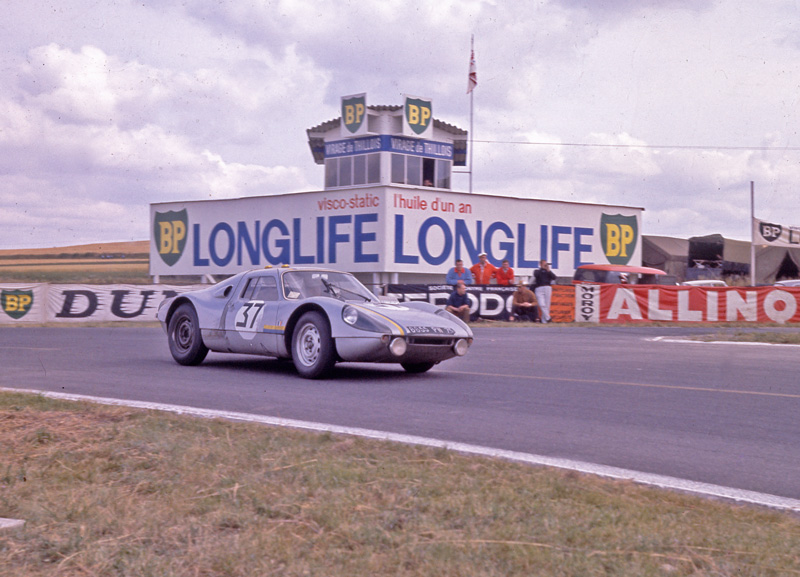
x=315 y=317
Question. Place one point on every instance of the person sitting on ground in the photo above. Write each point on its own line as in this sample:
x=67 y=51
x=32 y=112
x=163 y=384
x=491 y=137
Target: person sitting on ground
x=524 y=305
x=458 y=302
x=483 y=271
x=505 y=274
x=458 y=273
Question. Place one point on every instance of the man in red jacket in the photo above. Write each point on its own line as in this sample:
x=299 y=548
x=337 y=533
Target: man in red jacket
x=483 y=271
x=505 y=274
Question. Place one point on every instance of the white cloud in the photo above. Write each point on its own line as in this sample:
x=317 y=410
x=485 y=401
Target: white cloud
x=106 y=107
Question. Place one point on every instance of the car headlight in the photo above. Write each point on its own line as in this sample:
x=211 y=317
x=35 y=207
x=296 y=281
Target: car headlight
x=361 y=319
x=398 y=347
x=461 y=347
x=350 y=315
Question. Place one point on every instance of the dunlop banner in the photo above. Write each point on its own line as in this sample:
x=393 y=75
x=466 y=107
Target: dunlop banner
x=80 y=303
x=83 y=303
x=632 y=304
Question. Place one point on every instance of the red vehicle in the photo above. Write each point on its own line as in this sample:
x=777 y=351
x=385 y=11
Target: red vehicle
x=619 y=274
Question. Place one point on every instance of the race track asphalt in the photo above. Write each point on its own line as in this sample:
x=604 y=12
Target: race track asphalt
x=724 y=414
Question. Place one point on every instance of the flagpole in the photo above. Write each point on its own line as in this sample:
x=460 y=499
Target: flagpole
x=752 y=234
x=471 y=137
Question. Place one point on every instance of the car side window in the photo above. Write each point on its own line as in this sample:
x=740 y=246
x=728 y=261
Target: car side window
x=263 y=288
x=247 y=293
x=267 y=289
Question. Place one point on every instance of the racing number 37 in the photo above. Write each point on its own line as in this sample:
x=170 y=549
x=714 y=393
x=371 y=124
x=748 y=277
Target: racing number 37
x=244 y=320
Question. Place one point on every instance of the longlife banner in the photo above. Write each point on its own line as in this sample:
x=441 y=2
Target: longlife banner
x=388 y=230
x=631 y=304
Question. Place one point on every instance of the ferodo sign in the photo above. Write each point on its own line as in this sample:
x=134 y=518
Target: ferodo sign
x=387 y=229
x=618 y=304
x=489 y=302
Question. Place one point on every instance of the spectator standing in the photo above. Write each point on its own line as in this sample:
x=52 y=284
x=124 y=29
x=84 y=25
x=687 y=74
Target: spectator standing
x=458 y=302
x=543 y=278
x=458 y=273
x=505 y=274
x=483 y=271
x=524 y=304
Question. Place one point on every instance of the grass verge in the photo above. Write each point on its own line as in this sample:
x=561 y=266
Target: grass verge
x=116 y=491
x=771 y=337
x=80 y=272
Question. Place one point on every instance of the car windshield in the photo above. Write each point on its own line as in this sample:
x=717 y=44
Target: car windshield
x=340 y=285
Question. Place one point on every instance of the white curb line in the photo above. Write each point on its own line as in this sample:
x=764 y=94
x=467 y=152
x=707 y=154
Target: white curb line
x=661 y=481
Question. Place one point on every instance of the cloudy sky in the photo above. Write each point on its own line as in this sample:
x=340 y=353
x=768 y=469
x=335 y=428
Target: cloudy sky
x=671 y=105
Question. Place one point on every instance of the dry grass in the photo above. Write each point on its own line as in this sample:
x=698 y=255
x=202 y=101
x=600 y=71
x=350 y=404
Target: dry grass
x=766 y=336
x=112 y=491
x=132 y=247
x=87 y=271
x=101 y=263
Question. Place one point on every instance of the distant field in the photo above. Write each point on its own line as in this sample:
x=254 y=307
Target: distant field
x=139 y=247
x=100 y=263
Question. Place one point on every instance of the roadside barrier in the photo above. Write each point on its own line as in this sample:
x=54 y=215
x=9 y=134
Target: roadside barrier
x=684 y=304
x=73 y=303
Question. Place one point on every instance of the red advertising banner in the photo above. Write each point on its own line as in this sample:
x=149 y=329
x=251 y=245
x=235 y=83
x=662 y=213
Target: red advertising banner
x=562 y=304
x=630 y=304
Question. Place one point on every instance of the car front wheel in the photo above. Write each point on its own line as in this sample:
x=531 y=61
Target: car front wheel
x=185 y=342
x=313 y=350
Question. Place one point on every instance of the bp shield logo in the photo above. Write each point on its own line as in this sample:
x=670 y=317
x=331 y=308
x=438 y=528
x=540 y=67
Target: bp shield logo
x=16 y=303
x=354 y=110
x=770 y=232
x=618 y=235
x=169 y=232
x=419 y=114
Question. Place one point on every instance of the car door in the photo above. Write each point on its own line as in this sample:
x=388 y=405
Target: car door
x=250 y=322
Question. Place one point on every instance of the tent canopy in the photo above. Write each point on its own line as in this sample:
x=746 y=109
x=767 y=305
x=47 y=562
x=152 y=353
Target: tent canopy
x=666 y=253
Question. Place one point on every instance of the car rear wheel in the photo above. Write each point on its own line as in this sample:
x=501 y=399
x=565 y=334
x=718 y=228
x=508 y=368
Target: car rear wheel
x=313 y=350
x=185 y=342
x=417 y=367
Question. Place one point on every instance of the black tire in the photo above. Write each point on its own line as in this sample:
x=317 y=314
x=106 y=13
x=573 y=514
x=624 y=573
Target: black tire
x=313 y=349
x=185 y=342
x=417 y=367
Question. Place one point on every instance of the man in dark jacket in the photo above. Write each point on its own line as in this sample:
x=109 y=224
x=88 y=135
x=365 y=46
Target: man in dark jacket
x=458 y=302
x=543 y=278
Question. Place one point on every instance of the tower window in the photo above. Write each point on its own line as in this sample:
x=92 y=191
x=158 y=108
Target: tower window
x=352 y=170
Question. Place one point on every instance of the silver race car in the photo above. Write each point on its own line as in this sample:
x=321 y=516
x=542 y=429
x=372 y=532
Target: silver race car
x=315 y=317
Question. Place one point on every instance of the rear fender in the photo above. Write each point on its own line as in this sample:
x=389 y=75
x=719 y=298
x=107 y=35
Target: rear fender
x=178 y=301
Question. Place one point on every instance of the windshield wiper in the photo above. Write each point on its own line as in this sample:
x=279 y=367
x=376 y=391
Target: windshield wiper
x=358 y=294
x=336 y=290
x=329 y=288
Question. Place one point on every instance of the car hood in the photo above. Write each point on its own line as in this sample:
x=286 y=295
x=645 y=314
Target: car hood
x=414 y=320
